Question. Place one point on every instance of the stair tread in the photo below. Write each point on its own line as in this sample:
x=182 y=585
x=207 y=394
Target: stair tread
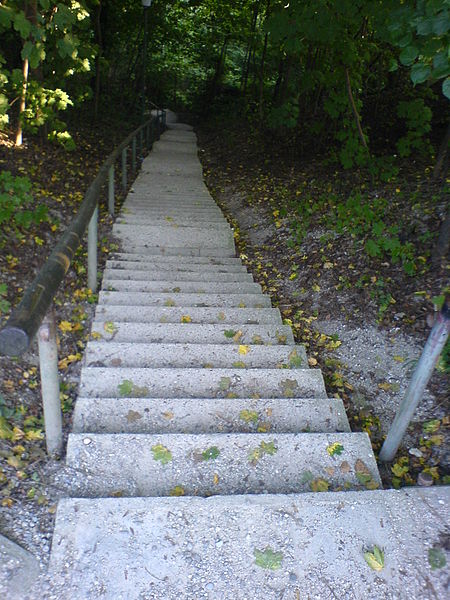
x=207 y=547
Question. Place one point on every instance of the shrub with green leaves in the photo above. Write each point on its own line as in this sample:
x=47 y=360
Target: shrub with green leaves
x=16 y=205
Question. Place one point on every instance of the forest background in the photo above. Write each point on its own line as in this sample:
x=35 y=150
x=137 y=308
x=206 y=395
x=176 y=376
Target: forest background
x=328 y=120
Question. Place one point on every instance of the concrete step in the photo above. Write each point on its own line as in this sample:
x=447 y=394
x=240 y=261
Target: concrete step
x=156 y=314
x=193 y=333
x=154 y=266
x=167 y=236
x=199 y=300
x=214 y=548
x=110 y=274
x=284 y=463
x=178 y=251
x=100 y=382
x=168 y=207
x=209 y=415
x=176 y=220
x=180 y=287
x=133 y=354
x=178 y=261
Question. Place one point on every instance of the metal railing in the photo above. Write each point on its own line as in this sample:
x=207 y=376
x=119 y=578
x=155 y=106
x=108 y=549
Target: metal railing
x=32 y=315
x=422 y=374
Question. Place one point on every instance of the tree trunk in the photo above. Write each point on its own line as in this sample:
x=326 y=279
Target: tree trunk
x=219 y=71
x=261 y=80
x=441 y=248
x=22 y=105
x=442 y=155
x=99 y=40
x=355 y=110
x=250 y=47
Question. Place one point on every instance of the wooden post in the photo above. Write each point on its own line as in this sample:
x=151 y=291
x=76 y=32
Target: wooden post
x=48 y=364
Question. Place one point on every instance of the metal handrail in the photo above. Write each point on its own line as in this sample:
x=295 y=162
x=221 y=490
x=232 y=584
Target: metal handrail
x=26 y=318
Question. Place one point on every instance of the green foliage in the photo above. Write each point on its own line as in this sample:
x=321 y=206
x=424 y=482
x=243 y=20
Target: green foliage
x=56 y=42
x=16 y=210
x=421 y=30
x=418 y=122
x=4 y=304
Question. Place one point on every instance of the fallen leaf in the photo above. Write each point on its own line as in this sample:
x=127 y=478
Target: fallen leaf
x=375 y=559
x=335 y=449
x=244 y=349
x=161 y=453
x=211 y=453
x=268 y=559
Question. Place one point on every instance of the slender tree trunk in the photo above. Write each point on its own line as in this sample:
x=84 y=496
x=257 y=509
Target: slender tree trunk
x=99 y=40
x=219 y=70
x=250 y=47
x=355 y=110
x=22 y=105
x=442 y=154
x=443 y=242
x=261 y=80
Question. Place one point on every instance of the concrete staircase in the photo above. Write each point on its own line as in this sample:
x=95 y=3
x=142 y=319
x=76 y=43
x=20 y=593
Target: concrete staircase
x=199 y=423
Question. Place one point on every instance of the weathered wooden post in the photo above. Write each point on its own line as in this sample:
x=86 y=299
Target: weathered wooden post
x=48 y=364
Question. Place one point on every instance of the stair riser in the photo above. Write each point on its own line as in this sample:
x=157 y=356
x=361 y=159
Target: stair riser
x=180 y=287
x=167 y=236
x=231 y=334
x=187 y=276
x=193 y=268
x=178 y=251
x=149 y=314
x=215 y=356
x=196 y=300
x=179 y=260
x=200 y=416
x=124 y=464
x=202 y=383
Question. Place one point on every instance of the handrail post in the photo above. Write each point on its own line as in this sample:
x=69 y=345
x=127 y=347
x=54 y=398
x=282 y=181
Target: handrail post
x=133 y=154
x=124 y=169
x=48 y=364
x=92 y=251
x=111 y=190
x=430 y=355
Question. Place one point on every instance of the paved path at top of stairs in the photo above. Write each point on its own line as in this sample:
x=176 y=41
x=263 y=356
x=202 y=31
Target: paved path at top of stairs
x=201 y=438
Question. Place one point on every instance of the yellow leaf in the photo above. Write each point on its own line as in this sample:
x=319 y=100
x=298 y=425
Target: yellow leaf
x=327 y=265
x=216 y=479
x=186 y=319
x=399 y=358
x=34 y=434
x=237 y=336
x=315 y=288
x=312 y=362
x=109 y=327
x=243 y=349
x=65 y=326
x=385 y=386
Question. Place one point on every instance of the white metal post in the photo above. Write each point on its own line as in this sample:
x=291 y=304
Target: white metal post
x=48 y=364
x=92 y=251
